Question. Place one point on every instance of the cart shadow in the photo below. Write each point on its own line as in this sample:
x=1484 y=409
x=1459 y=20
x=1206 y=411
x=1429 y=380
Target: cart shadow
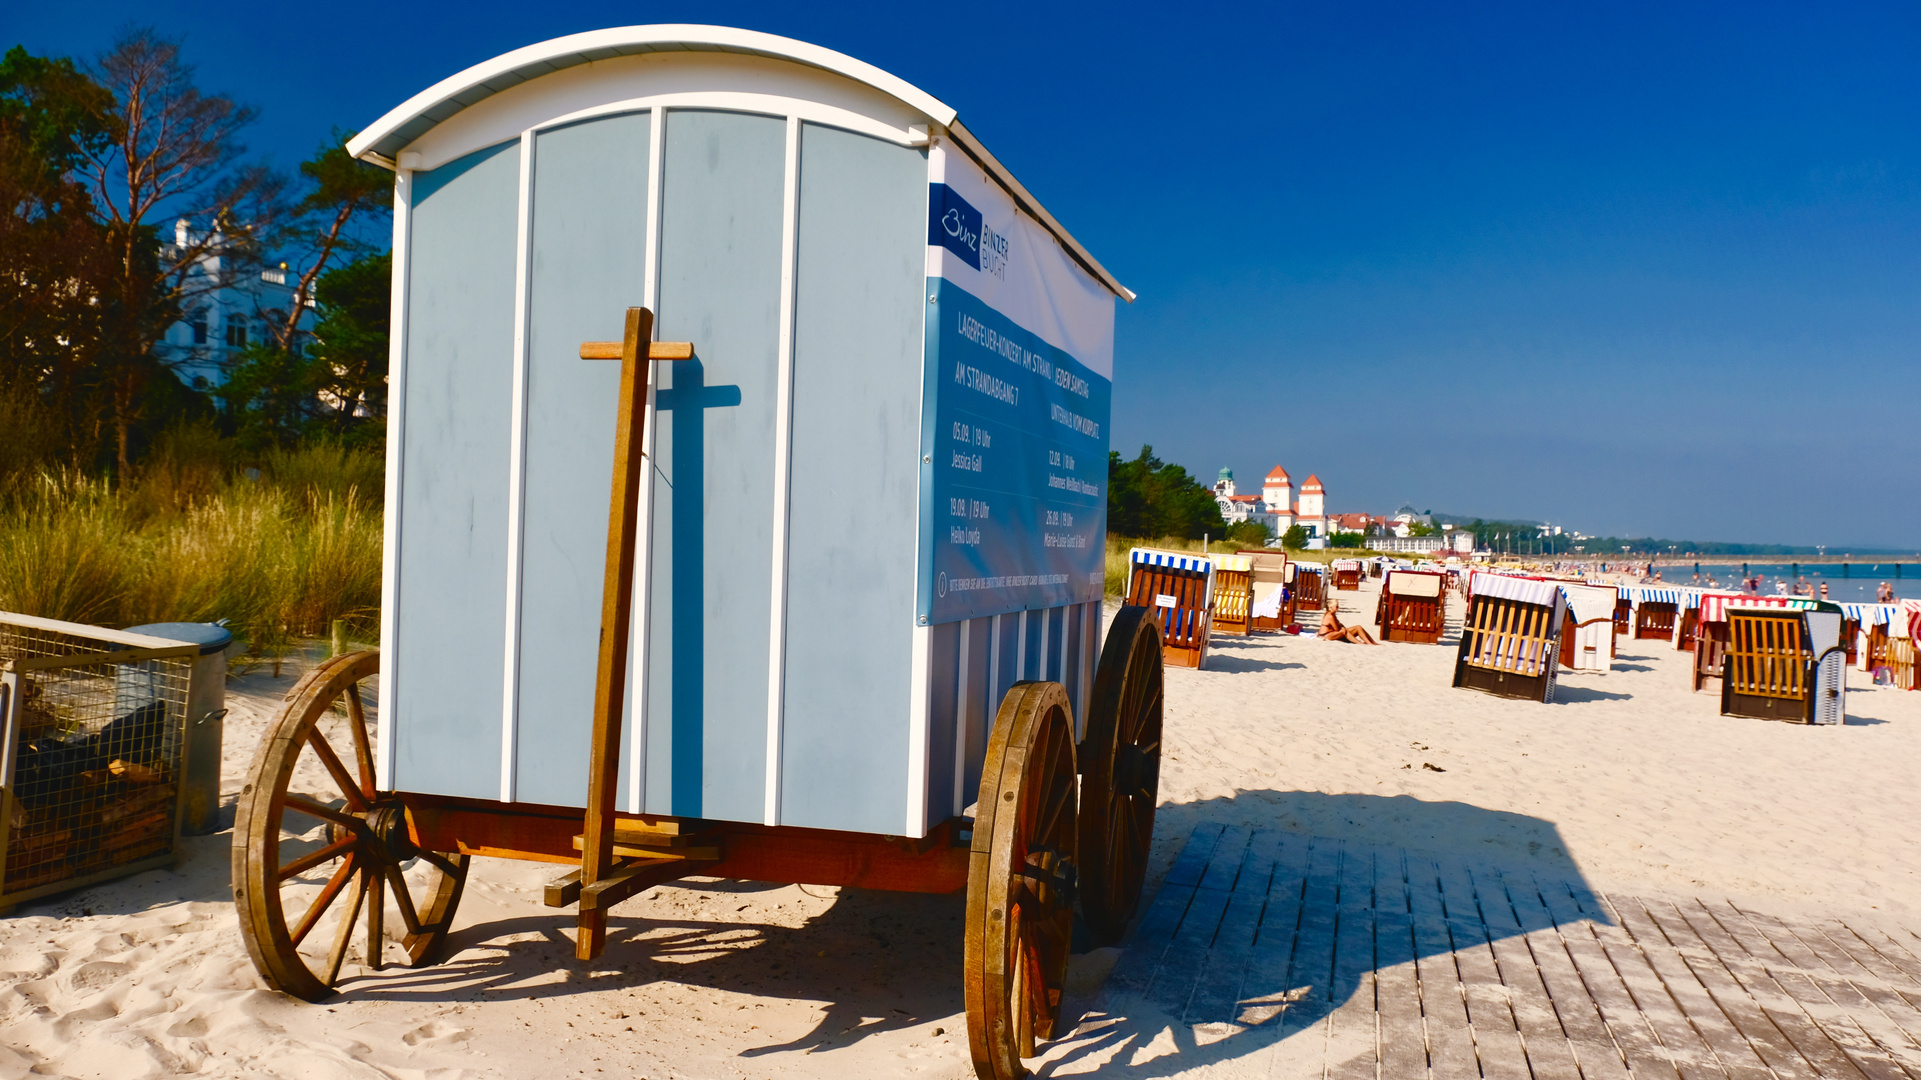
x=866 y=960
x=1165 y=1010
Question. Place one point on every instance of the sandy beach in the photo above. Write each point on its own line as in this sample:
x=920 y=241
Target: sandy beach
x=1629 y=783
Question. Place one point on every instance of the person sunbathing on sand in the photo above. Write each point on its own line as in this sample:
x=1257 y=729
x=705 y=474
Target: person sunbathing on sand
x=1332 y=630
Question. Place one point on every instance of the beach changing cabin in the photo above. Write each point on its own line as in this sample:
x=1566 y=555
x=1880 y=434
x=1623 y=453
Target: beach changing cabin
x=875 y=494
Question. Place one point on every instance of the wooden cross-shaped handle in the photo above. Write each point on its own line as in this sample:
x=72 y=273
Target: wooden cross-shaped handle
x=656 y=350
x=602 y=881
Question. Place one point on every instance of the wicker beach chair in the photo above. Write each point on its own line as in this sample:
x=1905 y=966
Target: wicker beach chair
x=1901 y=663
x=1510 y=641
x=1785 y=665
x=1178 y=588
x=1654 y=618
x=1268 y=609
x=1310 y=588
x=1233 y=593
x=1587 y=634
x=1413 y=606
x=1623 y=613
x=1347 y=574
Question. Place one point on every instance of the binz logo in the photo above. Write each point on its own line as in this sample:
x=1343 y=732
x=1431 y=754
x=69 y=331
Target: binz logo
x=955 y=225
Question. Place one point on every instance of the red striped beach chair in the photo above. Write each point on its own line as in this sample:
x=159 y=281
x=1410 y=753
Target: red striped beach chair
x=1347 y=574
x=1178 y=588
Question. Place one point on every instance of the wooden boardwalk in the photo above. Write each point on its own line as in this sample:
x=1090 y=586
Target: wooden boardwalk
x=1275 y=954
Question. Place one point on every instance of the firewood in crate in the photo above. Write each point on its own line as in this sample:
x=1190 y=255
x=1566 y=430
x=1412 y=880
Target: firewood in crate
x=137 y=801
x=134 y=773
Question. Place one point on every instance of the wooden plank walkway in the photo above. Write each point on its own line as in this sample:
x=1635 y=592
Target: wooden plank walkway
x=1270 y=953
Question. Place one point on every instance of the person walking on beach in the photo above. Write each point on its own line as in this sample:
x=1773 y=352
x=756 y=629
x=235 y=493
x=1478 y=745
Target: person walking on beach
x=1824 y=590
x=1884 y=595
x=1333 y=630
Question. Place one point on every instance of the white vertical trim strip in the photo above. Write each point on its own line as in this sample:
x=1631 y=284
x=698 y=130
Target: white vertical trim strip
x=638 y=666
x=1090 y=640
x=966 y=683
x=783 y=466
x=517 y=471
x=1020 y=648
x=991 y=706
x=396 y=433
x=1044 y=669
x=918 y=746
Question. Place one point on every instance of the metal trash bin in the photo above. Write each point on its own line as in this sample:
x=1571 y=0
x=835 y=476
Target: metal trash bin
x=206 y=715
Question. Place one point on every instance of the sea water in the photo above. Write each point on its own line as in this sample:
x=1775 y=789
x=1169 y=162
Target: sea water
x=1858 y=586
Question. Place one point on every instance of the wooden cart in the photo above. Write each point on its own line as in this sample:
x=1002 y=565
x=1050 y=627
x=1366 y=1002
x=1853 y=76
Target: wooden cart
x=1510 y=641
x=1413 y=606
x=839 y=621
x=1178 y=588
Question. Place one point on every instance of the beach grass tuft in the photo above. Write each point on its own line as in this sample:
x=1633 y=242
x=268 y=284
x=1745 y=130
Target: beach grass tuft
x=279 y=552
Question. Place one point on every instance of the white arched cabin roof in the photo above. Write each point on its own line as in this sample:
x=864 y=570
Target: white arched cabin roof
x=383 y=141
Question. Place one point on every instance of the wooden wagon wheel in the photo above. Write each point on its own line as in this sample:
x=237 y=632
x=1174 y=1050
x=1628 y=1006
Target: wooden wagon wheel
x=1120 y=762
x=316 y=846
x=1020 y=881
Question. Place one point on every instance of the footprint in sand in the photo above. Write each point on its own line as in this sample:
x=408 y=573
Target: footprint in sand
x=434 y=1031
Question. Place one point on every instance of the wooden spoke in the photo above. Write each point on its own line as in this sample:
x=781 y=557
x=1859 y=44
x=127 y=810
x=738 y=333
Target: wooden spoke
x=324 y=813
x=345 y=932
x=1120 y=774
x=279 y=911
x=356 y=799
x=321 y=902
x=363 y=752
x=1019 y=917
x=314 y=858
x=402 y=900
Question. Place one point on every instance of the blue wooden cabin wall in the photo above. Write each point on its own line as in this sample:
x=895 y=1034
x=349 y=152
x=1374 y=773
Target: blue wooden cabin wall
x=587 y=264
x=846 y=689
x=458 y=401
x=852 y=548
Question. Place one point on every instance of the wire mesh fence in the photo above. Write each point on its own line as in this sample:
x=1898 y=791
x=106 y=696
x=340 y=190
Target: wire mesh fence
x=91 y=756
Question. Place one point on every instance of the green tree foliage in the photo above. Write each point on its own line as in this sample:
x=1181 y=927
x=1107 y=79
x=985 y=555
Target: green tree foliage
x=1345 y=540
x=1251 y=534
x=335 y=384
x=1295 y=538
x=1148 y=497
x=54 y=254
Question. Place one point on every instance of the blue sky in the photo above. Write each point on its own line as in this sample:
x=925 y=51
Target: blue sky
x=1639 y=270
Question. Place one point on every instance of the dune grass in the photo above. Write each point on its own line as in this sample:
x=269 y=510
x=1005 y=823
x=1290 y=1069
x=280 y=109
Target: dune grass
x=279 y=550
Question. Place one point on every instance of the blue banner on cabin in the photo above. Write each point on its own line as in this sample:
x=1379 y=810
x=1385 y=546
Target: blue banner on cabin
x=1014 y=448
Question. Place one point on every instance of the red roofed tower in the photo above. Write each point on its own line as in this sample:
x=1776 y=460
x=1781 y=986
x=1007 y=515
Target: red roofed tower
x=1277 y=491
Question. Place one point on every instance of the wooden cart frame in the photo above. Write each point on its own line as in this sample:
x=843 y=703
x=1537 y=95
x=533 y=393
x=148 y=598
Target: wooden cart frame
x=825 y=227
